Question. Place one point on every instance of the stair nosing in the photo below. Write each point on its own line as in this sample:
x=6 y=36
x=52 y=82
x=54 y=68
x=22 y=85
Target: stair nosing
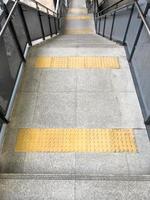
x=24 y=176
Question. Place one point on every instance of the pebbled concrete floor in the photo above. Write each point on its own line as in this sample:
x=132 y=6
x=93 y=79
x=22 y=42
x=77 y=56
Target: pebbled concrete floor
x=74 y=190
x=84 y=98
x=68 y=98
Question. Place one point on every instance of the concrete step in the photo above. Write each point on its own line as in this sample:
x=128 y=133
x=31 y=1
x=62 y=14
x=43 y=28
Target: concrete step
x=81 y=45
x=78 y=41
x=77 y=11
x=81 y=40
x=96 y=177
x=56 y=44
x=40 y=50
x=43 y=187
x=81 y=37
x=79 y=24
x=91 y=37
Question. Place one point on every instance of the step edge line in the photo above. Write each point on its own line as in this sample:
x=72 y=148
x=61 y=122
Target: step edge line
x=24 y=176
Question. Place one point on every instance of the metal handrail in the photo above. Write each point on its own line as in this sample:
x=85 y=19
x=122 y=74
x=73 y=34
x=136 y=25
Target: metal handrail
x=12 y=11
x=54 y=24
x=8 y=18
x=40 y=5
x=115 y=10
x=142 y=17
x=36 y=2
x=111 y=6
x=57 y=5
x=131 y=40
x=120 y=8
x=101 y=3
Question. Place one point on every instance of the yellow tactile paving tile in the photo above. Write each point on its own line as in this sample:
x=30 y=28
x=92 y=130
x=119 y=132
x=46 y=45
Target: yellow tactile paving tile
x=58 y=61
x=76 y=62
x=82 y=17
x=42 y=61
x=75 y=140
x=78 y=31
x=77 y=11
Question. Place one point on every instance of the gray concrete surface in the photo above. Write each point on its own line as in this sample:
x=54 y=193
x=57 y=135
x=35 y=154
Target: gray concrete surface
x=73 y=190
x=68 y=98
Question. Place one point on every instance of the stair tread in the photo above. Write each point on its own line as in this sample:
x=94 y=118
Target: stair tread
x=72 y=189
x=51 y=176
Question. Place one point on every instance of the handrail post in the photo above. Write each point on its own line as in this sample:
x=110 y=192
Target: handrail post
x=24 y=24
x=95 y=14
x=99 y=26
x=49 y=21
x=104 y=26
x=112 y=27
x=138 y=35
x=58 y=18
x=94 y=9
x=14 y=35
x=97 y=3
x=96 y=25
x=2 y=116
x=40 y=20
x=129 y=21
x=55 y=25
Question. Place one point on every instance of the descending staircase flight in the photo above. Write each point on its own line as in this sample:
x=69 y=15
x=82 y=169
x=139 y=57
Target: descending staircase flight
x=76 y=130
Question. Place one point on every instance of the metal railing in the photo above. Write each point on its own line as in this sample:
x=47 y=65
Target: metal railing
x=20 y=25
x=100 y=15
x=114 y=6
x=43 y=6
x=126 y=24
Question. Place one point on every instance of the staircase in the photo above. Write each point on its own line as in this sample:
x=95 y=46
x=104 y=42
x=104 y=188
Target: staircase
x=83 y=95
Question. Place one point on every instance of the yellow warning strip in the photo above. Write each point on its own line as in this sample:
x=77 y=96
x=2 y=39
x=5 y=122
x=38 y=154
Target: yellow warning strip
x=82 y=17
x=75 y=140
x=78 y=31
x=76 y=62
x=77 y=10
